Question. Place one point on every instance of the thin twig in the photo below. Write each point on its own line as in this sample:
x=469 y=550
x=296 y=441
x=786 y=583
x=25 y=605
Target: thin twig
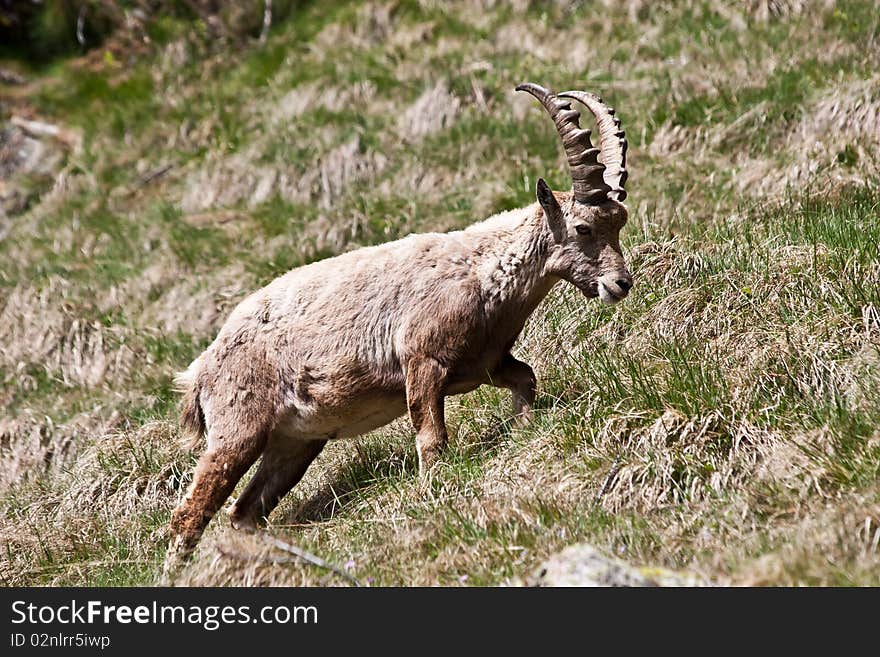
x=36 y=128
x=241 y=556
x=153 y=174
x=80 y=26
x=615 y=468
x=479 y=96
x=267 y=20
x=308 y=557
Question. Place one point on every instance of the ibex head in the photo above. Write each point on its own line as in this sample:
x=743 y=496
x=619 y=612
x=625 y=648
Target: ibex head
x=586 y=226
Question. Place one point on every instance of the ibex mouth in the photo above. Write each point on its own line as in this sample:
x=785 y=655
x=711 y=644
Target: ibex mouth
x=590 y=291
x=606 y=295
x=611 y=292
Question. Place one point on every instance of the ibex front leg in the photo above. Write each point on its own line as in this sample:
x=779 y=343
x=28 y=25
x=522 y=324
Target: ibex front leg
x=520 y=379
x=425 y=381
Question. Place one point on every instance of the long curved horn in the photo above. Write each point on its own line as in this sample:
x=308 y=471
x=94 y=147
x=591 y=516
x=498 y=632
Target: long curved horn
x=612 y=141
x=587 y=182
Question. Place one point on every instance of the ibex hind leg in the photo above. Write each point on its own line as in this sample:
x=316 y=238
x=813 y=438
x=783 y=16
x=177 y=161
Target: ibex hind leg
x=284 y=463
x=219 y=469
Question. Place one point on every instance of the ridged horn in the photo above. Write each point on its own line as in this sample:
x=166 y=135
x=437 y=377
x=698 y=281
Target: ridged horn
x=587 y=181
x=612 y=141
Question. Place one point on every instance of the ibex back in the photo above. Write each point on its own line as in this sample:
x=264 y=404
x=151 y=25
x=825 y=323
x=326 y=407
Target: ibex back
x=343 y=346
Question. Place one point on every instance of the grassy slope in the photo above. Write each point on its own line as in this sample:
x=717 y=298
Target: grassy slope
x=723 y=420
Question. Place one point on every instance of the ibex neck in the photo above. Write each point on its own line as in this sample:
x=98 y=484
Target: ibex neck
x=511 y=272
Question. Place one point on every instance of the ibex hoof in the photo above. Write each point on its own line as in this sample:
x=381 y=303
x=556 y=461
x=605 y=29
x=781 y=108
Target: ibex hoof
x=524 y=418
x=175 y=558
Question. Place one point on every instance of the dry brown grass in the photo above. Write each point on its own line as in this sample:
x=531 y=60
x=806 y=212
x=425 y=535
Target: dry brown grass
x=433 y=111
x=106 y=493
x=836 y=131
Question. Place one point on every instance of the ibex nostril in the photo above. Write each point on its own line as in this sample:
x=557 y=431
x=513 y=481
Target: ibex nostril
x=624 y=284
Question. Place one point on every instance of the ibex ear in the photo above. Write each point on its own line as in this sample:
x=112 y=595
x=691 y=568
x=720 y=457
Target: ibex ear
x=552 y=211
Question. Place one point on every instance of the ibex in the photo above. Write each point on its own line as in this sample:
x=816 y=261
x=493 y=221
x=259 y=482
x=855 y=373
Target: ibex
x=342 y=346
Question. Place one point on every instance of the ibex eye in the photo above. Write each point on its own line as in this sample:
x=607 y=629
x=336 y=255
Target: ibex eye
x=582 y=229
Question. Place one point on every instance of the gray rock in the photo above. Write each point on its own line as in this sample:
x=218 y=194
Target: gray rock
x=584 y=565
x=28 y=166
